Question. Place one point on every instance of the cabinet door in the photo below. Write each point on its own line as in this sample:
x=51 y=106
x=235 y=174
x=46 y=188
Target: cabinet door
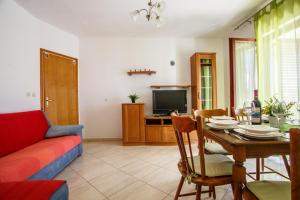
x=153 y=134
x=203 y=79
x=168 y=134
x=133 y=123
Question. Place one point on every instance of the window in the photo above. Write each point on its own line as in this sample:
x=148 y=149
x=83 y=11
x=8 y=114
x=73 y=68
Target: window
x=243 y=70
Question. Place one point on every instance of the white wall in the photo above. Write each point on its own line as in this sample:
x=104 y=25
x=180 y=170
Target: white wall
x=104 y=83
x=103 y=63
x=21 y=37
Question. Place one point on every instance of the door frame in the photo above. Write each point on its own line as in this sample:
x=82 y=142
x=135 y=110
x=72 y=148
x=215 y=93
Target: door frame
x=42 y=77
x=232 y=66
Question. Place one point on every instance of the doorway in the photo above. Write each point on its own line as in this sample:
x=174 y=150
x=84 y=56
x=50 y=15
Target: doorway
x=59 y=87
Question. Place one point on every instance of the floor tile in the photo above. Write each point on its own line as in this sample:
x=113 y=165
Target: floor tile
x=73 y=179
x=139 y=169
x=163 y=180
x=108 y=170
x=137 y=191
x=112 y=183
x=91 y=171
x=85 y=192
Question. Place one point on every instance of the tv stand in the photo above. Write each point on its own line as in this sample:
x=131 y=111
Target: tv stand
x=139 y=129
x=159 y=131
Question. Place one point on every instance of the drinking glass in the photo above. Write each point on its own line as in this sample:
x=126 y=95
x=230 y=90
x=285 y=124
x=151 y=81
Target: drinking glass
x=249 y=107
x=278 y=110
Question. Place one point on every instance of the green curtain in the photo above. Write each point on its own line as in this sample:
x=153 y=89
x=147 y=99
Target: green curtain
x=278 y=50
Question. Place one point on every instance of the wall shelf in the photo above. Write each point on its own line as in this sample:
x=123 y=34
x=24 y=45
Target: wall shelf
x=148 y=72
x=167 y=86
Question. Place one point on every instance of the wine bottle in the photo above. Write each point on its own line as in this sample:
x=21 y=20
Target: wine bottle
x=256 y=114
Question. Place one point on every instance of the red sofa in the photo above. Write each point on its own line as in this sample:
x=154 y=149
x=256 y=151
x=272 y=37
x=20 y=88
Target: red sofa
x=32 y=149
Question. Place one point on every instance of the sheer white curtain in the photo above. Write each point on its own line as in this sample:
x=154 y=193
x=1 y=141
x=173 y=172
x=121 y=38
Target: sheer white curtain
x=245 y=71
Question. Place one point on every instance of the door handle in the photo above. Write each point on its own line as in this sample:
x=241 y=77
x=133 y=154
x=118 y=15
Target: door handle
x=48 y=100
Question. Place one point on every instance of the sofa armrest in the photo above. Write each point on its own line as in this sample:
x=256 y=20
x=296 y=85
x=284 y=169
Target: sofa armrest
x=56 y=131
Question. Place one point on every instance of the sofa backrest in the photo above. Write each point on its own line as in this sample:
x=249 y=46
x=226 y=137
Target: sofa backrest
x=19 y=130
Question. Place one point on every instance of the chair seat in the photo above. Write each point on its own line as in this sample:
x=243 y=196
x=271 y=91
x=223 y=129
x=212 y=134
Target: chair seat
x=215 y=165
x=270 y=190
x=215 y=148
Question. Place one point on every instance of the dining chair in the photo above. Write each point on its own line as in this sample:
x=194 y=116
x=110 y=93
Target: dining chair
x=279 y=190
x=211 y=147
x=202 y=169
x=239 y=115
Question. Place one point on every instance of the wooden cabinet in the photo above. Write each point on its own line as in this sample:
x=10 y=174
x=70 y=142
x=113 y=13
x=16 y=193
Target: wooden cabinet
x=153 y=134
x=168 y=134
x=204 y=81
x=133 y=123
x=159 y=131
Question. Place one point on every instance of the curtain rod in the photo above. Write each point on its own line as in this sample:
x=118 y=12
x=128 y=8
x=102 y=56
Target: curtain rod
x=248 y=19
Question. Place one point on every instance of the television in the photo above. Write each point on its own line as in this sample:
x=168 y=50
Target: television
x=167 y=101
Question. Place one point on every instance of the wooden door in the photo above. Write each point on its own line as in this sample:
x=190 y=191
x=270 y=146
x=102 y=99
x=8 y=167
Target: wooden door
x=59 y=87
x=203 y=68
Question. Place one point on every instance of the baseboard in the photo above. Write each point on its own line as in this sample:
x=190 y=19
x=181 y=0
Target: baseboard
x=101 y=139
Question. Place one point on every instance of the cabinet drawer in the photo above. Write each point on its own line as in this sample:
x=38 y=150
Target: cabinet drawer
x=153 y=134
x=168 y=134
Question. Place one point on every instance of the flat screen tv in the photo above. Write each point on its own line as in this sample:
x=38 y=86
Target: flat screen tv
x=167 y=101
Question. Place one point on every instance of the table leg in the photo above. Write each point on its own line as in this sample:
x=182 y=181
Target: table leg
x=239 y=173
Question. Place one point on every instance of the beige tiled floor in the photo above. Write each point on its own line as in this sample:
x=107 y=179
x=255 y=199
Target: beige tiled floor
x=108 y=170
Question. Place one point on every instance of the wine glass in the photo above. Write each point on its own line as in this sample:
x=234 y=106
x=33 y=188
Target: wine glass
x=249 y=106
x=278 y=110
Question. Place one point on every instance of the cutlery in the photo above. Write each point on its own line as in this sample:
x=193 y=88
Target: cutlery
x=236 y=136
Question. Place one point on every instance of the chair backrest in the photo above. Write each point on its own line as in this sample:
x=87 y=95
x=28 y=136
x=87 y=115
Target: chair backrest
x=295 y=162
x=185 y=125
x=239 y=114
x=206 y=114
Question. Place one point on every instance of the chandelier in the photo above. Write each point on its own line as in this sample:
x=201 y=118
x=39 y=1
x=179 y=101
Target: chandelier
x=152 y=13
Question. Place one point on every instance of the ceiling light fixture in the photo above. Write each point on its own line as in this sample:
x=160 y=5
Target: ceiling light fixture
x=152 y=13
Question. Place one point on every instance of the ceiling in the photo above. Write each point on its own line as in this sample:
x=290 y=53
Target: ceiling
x=110 y=18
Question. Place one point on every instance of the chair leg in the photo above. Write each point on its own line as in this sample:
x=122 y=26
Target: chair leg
x=198 y=193
x=179 y=188
x=287 y=166
x=210 y=191
x=262 y=164
x=258 y=169
x=214 y=192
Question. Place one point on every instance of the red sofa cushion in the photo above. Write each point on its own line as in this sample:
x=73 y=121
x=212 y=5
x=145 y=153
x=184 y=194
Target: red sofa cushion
x=29 y=190
x=24 y=163
x=19 y=130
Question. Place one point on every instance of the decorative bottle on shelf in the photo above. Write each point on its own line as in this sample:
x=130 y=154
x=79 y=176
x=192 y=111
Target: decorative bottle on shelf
x=256 y=114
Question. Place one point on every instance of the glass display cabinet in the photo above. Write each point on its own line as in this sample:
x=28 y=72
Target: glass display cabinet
x=203 y=78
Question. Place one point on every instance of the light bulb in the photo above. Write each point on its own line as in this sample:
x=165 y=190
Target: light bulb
x=159 y=21
x=161 y=6
x=134 y=15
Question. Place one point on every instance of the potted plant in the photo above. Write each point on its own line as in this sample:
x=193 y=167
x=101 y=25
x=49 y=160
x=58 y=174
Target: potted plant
x=133 y=97
x=286 y=110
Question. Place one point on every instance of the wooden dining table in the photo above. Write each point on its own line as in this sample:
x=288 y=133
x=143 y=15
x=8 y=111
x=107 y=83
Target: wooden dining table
x=242 y=149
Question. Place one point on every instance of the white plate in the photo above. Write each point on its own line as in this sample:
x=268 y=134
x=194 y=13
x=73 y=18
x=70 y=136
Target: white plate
x=295 y=122
x=223 y=122
x=214 y=126
x=258 y=128
x=265 y=136
x=224 y=117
